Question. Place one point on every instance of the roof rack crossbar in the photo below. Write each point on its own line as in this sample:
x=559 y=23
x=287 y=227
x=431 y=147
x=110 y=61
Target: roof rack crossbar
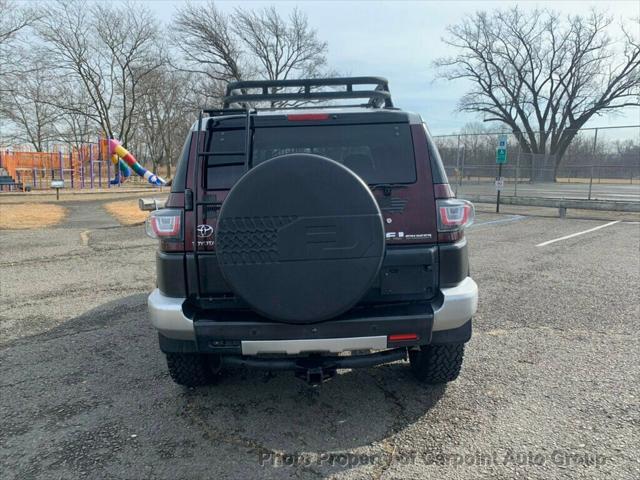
x=380 y=94
x=214 y=112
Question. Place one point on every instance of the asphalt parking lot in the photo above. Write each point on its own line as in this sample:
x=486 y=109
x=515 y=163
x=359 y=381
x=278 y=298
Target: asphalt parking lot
x=549 y=388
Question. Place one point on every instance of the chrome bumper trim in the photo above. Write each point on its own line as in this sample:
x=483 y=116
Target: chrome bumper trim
x=316 y=345
x=458 y=306
x=166 y=315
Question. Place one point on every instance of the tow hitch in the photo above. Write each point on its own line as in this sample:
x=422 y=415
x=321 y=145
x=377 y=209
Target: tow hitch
x=316 y=369
x=315 y=375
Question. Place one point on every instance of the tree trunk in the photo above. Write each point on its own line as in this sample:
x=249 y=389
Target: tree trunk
x=542 y=167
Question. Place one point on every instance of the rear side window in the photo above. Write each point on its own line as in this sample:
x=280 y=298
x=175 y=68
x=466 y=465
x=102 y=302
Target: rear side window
x=227 y=165
x=378 y=153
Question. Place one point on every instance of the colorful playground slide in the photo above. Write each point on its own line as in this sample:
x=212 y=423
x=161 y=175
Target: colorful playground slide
x=123 y=160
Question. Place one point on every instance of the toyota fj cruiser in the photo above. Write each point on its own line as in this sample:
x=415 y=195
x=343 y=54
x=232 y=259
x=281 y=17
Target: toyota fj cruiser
x=311 y=238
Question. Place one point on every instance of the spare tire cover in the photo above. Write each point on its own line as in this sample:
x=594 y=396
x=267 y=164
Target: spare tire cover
x=300 y=238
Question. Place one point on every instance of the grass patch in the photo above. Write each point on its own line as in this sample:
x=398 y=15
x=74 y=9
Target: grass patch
x=30 y=215
x=126 y=212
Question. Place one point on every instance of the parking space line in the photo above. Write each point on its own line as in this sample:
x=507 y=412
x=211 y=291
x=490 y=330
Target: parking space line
x=577 y=233
x=513 y=218
x=84 y=237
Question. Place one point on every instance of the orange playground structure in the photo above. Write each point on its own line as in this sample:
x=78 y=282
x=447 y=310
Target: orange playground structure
x=86 y=167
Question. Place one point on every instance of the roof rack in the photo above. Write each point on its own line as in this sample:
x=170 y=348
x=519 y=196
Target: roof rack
x=378 y=96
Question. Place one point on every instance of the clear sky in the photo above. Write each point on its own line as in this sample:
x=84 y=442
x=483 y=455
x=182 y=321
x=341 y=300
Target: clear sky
x=400 y=39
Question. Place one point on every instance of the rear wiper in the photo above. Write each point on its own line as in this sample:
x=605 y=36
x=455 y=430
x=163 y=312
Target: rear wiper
x=387 y=187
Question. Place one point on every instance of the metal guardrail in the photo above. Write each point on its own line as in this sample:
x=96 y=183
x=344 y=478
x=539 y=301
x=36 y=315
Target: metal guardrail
x=561 y=203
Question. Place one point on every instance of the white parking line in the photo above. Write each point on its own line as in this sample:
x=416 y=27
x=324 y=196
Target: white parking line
x=513 y=218
x=576 y=234
x=84 y=237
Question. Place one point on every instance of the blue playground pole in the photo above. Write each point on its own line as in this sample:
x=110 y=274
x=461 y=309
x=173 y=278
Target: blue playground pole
x=91 y=165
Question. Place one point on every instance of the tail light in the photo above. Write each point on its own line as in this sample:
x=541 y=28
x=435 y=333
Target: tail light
x=305 y=117
x=402 y=337
x=454 y=215
x=165 y=224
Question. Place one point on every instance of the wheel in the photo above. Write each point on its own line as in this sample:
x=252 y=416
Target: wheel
x=192 y=369
x=434 y=364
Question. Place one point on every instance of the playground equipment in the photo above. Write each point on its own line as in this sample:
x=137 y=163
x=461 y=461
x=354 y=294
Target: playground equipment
x=86 y=166
x=116 y=148
x=122 y=170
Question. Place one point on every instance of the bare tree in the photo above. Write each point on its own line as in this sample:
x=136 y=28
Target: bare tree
x=164 y=117
x=75 y=126
x=208 y=47
x=13 y=20
x=26 y=106
x=110 y=59
x=246 y=45
x=541 y=75
x=283 y=48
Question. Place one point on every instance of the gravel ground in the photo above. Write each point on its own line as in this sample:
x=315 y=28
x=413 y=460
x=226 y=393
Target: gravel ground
x=549 y=388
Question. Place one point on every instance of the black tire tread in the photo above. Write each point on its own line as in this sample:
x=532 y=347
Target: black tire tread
x=436 y=364
x=189 y=369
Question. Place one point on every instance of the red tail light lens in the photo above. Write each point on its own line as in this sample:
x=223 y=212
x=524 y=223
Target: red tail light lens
x=165 y=224
x=302 y=117
x=454 y=214
x=402 y=337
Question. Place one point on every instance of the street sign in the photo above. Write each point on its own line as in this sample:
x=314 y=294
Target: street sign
x=501 y=159
x=57 y=184
x=501 y=150
x=501 y=156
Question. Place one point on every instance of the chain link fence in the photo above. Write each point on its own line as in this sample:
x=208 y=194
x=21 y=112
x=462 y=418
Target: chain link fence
x=600 y=164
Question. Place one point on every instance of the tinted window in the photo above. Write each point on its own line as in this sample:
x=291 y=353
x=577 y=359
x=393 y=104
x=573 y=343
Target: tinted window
x=223 y=178
x=381 y=153
x=227 y=166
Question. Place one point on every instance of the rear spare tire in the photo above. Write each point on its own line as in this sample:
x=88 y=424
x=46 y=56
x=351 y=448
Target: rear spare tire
x=300 y=238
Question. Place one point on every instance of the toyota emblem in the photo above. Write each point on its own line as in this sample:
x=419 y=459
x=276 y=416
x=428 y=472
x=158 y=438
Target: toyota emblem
x=205 y=231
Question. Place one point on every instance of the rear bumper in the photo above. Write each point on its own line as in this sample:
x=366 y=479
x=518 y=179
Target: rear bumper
x=458 y=304
x=444 y=320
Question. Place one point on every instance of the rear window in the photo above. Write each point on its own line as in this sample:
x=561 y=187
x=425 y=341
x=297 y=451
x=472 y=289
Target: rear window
x=381 y=153
x=378 y=153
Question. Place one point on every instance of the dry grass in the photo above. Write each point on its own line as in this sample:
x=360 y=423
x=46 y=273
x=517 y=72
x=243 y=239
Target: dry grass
x=126 y=212
x=30 y=215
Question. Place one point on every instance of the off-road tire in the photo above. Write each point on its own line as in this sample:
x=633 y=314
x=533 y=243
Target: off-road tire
x=190 y=369
x=436 y=364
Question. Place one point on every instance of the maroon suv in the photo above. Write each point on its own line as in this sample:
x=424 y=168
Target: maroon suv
x=311 y=238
